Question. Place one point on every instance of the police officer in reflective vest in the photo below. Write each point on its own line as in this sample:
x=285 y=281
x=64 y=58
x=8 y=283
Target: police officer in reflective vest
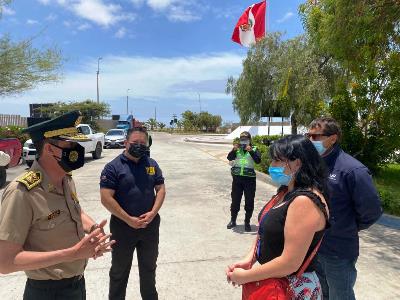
x=245 y=156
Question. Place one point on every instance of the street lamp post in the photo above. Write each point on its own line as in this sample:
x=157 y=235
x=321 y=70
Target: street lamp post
x=199 y=101
x=98 y=72
x=127 y=101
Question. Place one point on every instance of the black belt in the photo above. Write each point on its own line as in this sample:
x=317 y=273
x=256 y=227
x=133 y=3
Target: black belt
x=55 y=284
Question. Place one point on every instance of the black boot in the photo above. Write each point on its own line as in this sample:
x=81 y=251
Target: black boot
x=231 y=224
x=247 y=226
x=247 y=219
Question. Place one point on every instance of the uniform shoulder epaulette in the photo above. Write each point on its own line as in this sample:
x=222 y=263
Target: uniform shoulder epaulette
x=30 y=179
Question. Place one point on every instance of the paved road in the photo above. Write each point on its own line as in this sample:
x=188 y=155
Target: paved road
x=195 y=245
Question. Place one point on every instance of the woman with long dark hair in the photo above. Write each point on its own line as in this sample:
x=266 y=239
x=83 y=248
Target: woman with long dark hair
x=291 y=229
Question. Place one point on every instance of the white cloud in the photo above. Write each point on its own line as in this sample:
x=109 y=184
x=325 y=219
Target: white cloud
x=31 y=22
x=7 y=11
x=51 y=17
x=161 y=78
x=180 y=14
x=120 y=33
x=286 y=17
x=96 y=11
x=161 y=4
x=84 y=26
x=174 y=10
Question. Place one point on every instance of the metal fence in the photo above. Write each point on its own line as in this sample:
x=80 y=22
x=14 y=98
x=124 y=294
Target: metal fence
x=15 y=120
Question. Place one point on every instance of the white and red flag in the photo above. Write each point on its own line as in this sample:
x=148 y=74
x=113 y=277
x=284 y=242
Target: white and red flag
x=251 y=26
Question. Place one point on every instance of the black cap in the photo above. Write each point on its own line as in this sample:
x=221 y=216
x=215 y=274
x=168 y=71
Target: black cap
x=245 y=134
x=62 y=127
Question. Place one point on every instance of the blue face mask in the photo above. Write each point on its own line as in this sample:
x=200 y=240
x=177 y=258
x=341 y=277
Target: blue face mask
x=278 y=176
x=319 y=146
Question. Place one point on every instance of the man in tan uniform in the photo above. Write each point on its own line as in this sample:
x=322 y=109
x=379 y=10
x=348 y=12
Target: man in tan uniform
x=42 y=226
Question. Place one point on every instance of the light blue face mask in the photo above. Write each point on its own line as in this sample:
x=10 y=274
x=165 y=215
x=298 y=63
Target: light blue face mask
x=319 y=146
x=278 y=176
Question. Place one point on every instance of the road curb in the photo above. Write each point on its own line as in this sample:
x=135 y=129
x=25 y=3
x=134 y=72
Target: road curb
x=389 y=221
x=207 y=142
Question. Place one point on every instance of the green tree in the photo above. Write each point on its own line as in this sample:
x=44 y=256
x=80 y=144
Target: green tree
x=91 y=111
x=216 y=122
x=190 y=121
x=22 y=67
x=179 y=124
x=363 y=38
x=280 y=78
x=255 y=91
x=304 y=92
x=152 y=123
x=161 y=125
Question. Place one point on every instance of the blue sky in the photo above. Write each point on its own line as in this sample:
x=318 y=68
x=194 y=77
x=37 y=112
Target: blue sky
x=166 y=52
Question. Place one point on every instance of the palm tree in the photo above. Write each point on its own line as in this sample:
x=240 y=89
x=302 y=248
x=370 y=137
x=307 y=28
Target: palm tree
x=161 y=125
x=152 y=123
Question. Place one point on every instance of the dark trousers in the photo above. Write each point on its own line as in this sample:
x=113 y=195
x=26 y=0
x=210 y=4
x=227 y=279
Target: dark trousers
x=145 y=241
x=240 y=185
x=64 y=289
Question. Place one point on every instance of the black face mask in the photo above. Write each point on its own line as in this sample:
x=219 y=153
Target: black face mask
x=137 y=150
x=71 y=158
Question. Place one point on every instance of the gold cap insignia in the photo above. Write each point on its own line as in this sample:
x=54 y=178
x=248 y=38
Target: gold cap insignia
x=63 y=131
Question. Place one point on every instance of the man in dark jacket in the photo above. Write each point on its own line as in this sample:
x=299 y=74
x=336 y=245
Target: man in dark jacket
x=354 y=206
x=244 y=156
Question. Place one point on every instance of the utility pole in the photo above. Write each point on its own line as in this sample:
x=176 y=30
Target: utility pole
x=199 y=101
x=155 y=113
x=127 y=101
x=98 y=72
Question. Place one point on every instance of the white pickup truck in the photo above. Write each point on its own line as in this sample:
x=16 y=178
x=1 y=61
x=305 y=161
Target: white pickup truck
x=94 y=146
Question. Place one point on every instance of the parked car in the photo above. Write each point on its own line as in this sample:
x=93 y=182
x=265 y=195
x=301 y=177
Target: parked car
x=94 y=146
x=96 y=143
x=13 y=148
x=115 y=138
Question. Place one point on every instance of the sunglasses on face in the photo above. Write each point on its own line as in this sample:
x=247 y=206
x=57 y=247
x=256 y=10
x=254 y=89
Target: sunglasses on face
x=315 y=136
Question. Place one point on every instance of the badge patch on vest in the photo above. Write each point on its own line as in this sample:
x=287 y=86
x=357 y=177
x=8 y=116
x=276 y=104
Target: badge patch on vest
x=151 y=170
x=31 y=179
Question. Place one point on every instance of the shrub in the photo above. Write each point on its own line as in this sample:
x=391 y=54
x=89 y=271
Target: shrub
x=262 y=142
x=265 y=139
x=13 y=132
x=390 y=204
